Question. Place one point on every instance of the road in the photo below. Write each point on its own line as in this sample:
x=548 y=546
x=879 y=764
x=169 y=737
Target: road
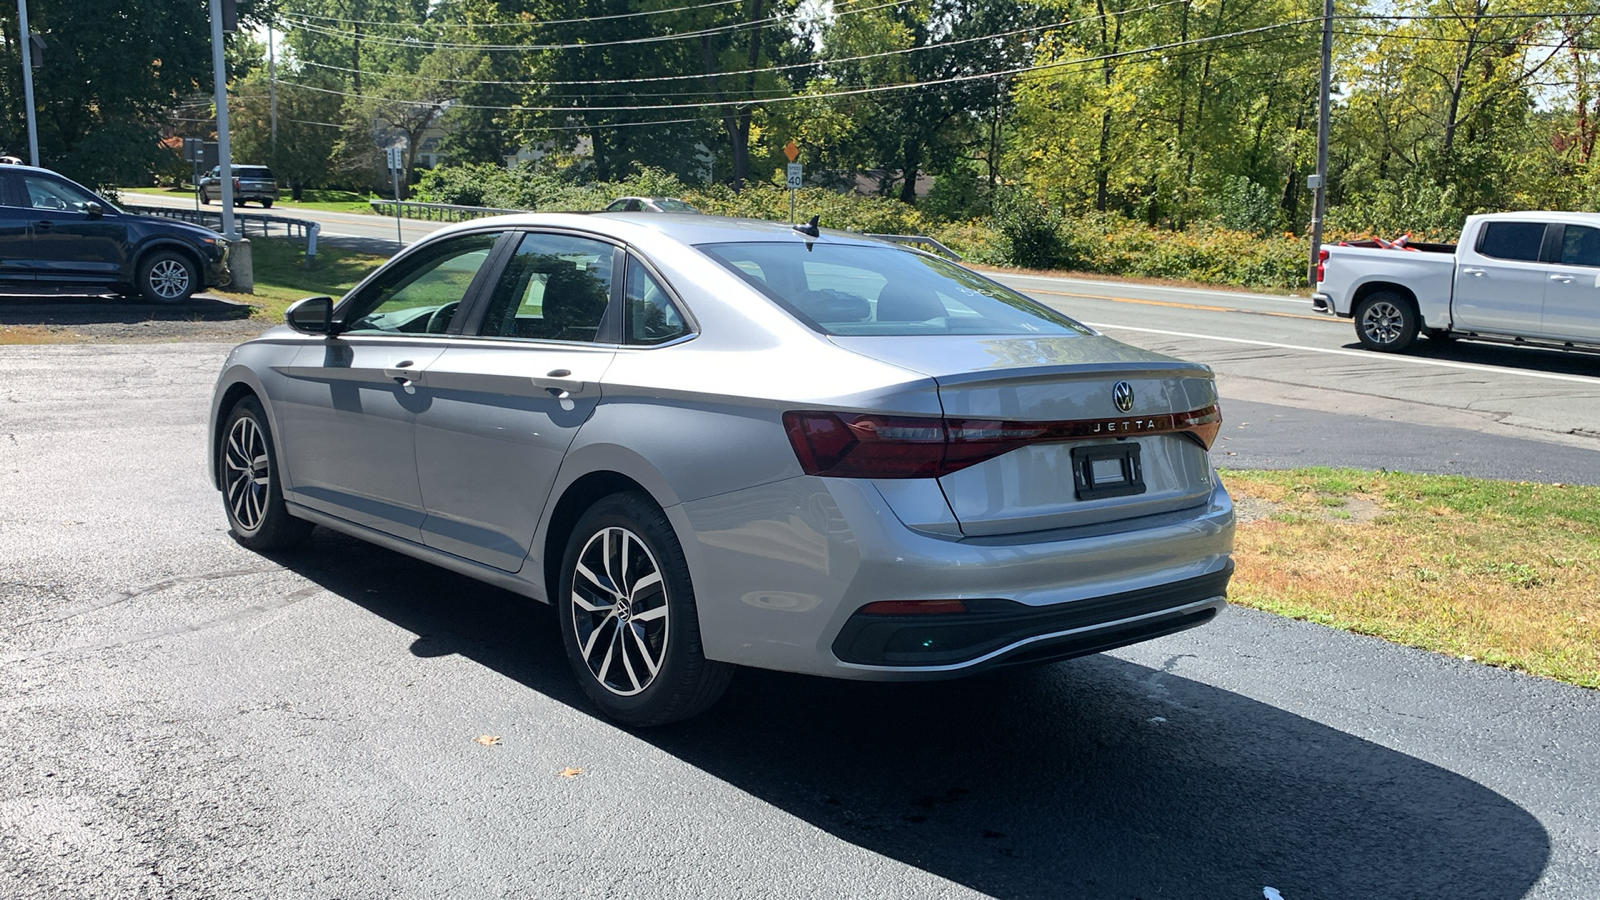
x=182 y=718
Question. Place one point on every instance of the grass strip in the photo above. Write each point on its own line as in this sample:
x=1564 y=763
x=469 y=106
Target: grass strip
x=282 y=276
x=1503 y=573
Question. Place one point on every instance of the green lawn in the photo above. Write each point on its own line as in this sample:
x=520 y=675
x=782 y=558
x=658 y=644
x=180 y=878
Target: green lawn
x=281 y=276
x=1504 y=573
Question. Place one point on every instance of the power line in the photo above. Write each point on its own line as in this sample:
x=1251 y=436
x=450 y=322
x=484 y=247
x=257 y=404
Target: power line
x=524 y=23
x=876 y=89
x=413 y=43
x=821 y=63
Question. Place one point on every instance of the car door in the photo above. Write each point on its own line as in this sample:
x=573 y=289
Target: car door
x=1572 y=291
x=14 y=217
x=70 y=243
x=348 y=407
x=1500 y=284
x=505 y=401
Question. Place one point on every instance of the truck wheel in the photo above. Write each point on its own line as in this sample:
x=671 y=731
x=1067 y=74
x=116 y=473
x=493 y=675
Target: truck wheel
x=1386 y=322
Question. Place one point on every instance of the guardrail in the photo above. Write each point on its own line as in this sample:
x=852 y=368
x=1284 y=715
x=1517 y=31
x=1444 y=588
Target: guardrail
x=213 y=220
x=917 y=239
x=438 y=212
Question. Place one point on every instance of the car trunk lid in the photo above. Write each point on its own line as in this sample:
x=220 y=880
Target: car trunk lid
x=1097 y=462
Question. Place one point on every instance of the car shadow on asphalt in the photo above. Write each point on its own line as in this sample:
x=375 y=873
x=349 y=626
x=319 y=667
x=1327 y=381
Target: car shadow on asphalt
x=1095 y=777
x=1508 y=356
x=80 y=309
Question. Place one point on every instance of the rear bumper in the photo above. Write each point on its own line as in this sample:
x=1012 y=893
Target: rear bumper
x=1322 y=303
x=782 y=570
x=999 y=632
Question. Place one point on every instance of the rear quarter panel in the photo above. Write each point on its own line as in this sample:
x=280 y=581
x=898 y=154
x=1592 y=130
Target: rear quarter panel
x=1430 y=277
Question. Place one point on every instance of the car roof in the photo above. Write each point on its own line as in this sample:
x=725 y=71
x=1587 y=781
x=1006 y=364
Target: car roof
x=1578 y=218
x=686 y=228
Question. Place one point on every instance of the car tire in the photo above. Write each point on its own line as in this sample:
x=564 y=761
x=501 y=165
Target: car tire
x=168 y=277
x=252 y=492
x=266 y=204
x=628 y=616
x=1386 y=322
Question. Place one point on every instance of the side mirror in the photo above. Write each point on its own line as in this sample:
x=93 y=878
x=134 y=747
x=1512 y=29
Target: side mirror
x=313 y=315
x=94 y=210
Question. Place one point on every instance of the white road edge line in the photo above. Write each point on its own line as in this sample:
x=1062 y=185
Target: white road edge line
x=1360 y=354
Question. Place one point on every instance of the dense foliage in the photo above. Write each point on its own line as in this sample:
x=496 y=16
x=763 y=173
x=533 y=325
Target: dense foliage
x=1040 y=117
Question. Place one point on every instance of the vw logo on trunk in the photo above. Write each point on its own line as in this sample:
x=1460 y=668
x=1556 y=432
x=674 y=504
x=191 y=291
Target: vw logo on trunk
x=1122 y=395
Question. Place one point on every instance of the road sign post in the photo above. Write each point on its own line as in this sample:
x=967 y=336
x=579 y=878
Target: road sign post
x=397 y=161
x=794 y=177
x=193 y=151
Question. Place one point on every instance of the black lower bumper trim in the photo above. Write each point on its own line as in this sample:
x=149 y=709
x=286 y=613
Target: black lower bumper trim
x=990 y=625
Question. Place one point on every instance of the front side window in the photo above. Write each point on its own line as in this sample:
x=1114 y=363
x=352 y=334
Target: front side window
x=420 y=293
x=1512 y=240
x=652 y=319
x=850 y=289
x=1580 y=246
x=47 y=193
x=555 y=287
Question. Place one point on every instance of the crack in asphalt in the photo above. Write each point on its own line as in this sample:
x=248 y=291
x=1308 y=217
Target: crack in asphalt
x=155 y=587
x=289 y=599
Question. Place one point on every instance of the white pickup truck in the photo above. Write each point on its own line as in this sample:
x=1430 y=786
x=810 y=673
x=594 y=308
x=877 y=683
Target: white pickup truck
x=1526 y=278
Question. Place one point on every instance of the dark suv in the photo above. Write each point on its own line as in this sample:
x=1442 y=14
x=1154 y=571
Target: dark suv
x=56 y=233
x=249 y=183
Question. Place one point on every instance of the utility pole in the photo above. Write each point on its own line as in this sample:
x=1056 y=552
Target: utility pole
x=1319 y=182
x=224 y=157
x=27 y=81
x=272 y=91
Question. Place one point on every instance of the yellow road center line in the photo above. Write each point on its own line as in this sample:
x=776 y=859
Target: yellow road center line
x=1176 y=305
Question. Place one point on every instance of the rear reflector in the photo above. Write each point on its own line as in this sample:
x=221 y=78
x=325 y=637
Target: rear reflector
x=848 y=445
x=912 y=607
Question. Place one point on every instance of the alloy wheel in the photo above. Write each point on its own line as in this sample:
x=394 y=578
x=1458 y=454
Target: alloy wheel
x=1383 y=322
x=169 y=279
x=619 y=611
x=247 y=473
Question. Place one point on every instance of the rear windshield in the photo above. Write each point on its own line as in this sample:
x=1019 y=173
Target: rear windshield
x=851 y=289
x=668 y=204
x=251 y=172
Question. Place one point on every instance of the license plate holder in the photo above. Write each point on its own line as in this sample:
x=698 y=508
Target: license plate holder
x=1107 y=470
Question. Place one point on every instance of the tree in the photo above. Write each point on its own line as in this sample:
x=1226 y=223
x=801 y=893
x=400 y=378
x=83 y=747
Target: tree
x=112 y=70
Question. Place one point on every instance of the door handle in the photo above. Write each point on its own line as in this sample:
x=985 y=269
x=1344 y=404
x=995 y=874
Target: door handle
x=403 y=372
x=560 y=383
x=1564 y=279
x=1475 y=273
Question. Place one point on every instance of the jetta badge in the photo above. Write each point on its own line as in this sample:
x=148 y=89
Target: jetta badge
x=1122 y=395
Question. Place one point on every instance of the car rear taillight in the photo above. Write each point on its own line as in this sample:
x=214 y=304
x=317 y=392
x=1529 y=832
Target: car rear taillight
x=849 y=445
x=236 y=184
x=1322 y=265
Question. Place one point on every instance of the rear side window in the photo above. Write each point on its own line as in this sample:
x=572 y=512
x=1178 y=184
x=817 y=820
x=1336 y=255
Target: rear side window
x=1580 y=246
x=851 y=289
x=1512 y=240
x=652 y=319
x=555 y=288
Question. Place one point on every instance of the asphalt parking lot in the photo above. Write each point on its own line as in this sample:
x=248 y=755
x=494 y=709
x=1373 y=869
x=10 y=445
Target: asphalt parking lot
x=183 y=718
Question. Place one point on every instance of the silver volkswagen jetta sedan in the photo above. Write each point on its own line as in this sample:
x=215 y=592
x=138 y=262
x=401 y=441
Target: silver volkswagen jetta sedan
x=715 y=442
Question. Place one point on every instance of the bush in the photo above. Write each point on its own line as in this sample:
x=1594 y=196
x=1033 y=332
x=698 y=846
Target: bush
x=1243 y=205
x=1029 y=232
x=1020 y=232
